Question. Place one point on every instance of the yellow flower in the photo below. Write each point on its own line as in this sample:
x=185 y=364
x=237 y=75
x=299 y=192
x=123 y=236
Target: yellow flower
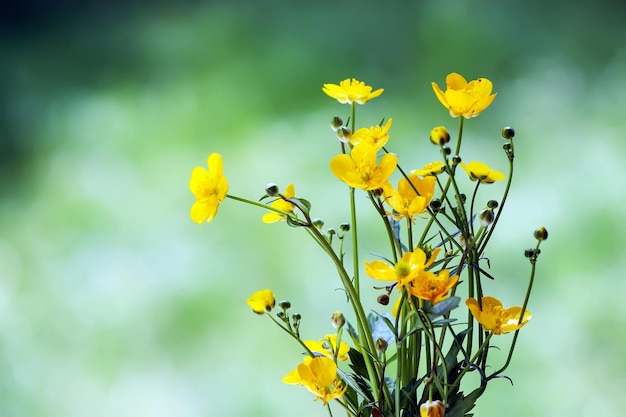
x=359 y=170
x=375 y=135
x=319 y=376
x=432 y=409
x=404 y=271
x=493 y=317
x=281 y=205
x=262 y=302
x=433 y=287
x=327 y=346
x=439 y=135
x=351 y=91
x=432 y=168
x=209 y=188
x=481 y=172
x=406 y=202
x=465 y=99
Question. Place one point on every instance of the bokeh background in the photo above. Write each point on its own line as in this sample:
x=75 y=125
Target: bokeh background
x=114 y=303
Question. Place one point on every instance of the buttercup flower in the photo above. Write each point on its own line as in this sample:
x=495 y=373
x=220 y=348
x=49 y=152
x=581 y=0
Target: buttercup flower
x=433 y=287
x=405 y=270
x=405 y=201
x=439 y=135
x=376 y=135
x=432 y=409
x=282 y=205
x=262 y=302
x=481 y=172
x=465 y=99
x=493 y=317
x=209 y=188
x=327 y=346
x=351 y=91
x=319 y=376
x=359 y=170
x=432 y=168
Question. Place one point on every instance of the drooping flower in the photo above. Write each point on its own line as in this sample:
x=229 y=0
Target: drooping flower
x=432 y=409
x=319 y=376
x=376 y=135
x=209 y=188
x=327 y=346
x=494 y=317
x=478 y=171
x=433 y=287
x=351 y=91
x=281 y=205
x=262 y=302
x=432 y=168
x=359 y=169
x=406 y=202
x=465 y=99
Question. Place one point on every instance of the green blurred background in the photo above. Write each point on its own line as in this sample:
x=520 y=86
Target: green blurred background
x=114 y=303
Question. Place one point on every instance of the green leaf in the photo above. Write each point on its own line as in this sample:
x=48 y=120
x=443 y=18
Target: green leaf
x=443 y=307
x=382 y=327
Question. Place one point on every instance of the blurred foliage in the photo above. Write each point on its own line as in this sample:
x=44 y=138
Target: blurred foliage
x=113 y=303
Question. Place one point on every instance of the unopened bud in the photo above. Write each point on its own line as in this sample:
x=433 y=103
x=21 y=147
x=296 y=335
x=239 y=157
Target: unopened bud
x=506 y=147
x=435 y=204
x=529 y=253
x=272 y=190
x=432 y=409
x=456 y=159
x=508 y=133
x=344 y=227
x=318 y=223
x=331 y=231
x=296 y=317
x=541 y=233
x=344 y=134
x=486 y=217
x=383 y=299
x=338 y=320
x=336 y=123
x=284 y=304
x=439 y=136
x=492 y=204
x=447 y=150
x=381 y=345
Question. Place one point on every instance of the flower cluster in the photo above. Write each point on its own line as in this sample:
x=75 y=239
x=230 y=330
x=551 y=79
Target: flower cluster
x=437 y=241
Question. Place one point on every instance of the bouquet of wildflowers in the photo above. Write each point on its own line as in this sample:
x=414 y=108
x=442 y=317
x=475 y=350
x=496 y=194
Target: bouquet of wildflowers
x=434 y=322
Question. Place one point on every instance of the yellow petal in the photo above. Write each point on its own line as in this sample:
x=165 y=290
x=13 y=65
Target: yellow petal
x=455 y=81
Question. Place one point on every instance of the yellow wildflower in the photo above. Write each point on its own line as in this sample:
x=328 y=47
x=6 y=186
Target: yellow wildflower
x=405 y=270
x=433 y=287
x=405 y=201
x=262 y=302
x=465 y=99
x=493 y=317
x=376 y=135
x=431 y=168
x=439 y=135
x=209 y=188
x=351 y=91
x=281 y=205
x=327 y=346
x=481 y=172
x=319 y=376
x=359 y=170
x=432 y=409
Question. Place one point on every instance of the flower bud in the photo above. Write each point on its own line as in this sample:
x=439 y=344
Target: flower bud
x=456 y=159
x=338 y=320
x=492 y=204
x=344 y=227
x=432 y=409
x=435 y=204
x=343 y=134
x=318 y=223
x=486 y=217
x=541 y=233
x=447 y=150
x=378 y=192
x=272 y=190
x=381 y=345
x=331 y=231
x=508 y=133
x=507 y=147
x=336 y=123
x=529 y=253
x=284 y=304
x=439 y=136
x=383 y=299
x=296 y=317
